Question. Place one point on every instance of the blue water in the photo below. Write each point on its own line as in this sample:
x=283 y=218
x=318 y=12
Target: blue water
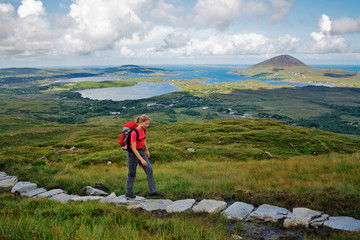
x=216 y=74
x=140 y=91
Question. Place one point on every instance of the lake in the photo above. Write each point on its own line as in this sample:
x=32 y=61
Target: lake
x=139 y=91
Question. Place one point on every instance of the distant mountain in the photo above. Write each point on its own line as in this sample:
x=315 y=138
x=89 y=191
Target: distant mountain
x=281 y=61
x=275 y=66
x=133 y=69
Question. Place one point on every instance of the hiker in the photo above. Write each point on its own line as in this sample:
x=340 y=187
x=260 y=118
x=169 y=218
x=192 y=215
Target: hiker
x=139 y=152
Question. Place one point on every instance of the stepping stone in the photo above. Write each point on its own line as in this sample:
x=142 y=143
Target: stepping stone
x=62 y=197
x=109 y=198
x=301 y=216
x=238 y=210
x=8 y=181
x=318 y=222
x=343 y=223
x=269 y=213
x=50 y=193
x=122 y=200
x=210 y=206
x=86 y=198
x=21 y=187
x=34 y=192
x=155 y=204
x=95 y=192
x=180 y=205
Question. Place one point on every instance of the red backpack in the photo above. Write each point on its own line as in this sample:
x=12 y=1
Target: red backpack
x=124 y=139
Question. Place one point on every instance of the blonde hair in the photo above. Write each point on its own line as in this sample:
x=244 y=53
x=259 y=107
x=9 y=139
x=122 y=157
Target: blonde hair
x=142 y=118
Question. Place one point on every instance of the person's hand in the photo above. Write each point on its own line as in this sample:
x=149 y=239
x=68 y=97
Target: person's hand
x=143 y=162
x=148 y=154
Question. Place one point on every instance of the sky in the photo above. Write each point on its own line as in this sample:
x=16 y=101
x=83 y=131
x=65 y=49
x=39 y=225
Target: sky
x=65 y=33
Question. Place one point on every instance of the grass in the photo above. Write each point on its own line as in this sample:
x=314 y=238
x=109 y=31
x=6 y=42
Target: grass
x=46 y=219
x=88 y=85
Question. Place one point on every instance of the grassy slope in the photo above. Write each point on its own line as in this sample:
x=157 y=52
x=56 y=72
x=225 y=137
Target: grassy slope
x=237 y=163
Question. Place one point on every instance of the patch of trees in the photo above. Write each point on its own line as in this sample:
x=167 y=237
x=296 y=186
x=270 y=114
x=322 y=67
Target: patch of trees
x=339 y=75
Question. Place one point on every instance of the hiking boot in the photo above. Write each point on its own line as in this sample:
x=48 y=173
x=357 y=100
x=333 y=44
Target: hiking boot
x=130 y=196
x=156 y=194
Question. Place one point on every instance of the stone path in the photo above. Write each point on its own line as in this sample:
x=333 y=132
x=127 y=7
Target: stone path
x=237 y=210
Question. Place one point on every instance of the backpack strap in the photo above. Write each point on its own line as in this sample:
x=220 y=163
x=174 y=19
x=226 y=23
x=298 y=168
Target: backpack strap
x=129 y=139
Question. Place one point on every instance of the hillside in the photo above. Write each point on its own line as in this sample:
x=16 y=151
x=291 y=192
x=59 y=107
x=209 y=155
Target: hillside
x=290 y=69
x=276 y=66
x=255 y=161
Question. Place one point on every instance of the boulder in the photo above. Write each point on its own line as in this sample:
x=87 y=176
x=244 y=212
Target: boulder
x=317 y=222
x=2 y=174
x=62 y=197
x=269 y=213
x=238 y=210
x=86 y=198
x=94 y=191
x=21 y=187
x=7 y=181
x=210 y=206
x=34 y=192
x=155 y=204
x=180 y=205
x=50 y=193
x=343 y=223
x=301 y=216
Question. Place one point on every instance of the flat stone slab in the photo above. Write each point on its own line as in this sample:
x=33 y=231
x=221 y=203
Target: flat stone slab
x=301 y=216
x=50 y=193
x=180 y=205
x=210 y=206
x=270 y=213
x=86 y=198
x=94 y=191
x=317 y=222
x=155 y=204
x=109 y=198
x=123 y=200
x=2 y=174
x=62 y=197
x=238 y=210
x=343 y=223
x=23 y=187
x=34 y=192
x=8 y=181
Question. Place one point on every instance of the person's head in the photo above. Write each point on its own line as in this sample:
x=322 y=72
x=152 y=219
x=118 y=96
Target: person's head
x=143 y=121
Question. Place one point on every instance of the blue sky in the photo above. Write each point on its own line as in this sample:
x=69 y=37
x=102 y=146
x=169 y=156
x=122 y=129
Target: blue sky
x=47 y=33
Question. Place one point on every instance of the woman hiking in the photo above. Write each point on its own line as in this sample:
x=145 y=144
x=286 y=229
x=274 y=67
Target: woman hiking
x=136 y=153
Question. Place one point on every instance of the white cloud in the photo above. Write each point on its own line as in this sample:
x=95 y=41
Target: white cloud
x=234 y=45
x=27 y=35
x=126 y=52
x=287 y=44
x=175 y=41
x=324 y=42
x=255 y=9
x=280 y=8
x=165 y=13
x=98 y=24
x=215 y=13
x=345 y=25
x=31 y=7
